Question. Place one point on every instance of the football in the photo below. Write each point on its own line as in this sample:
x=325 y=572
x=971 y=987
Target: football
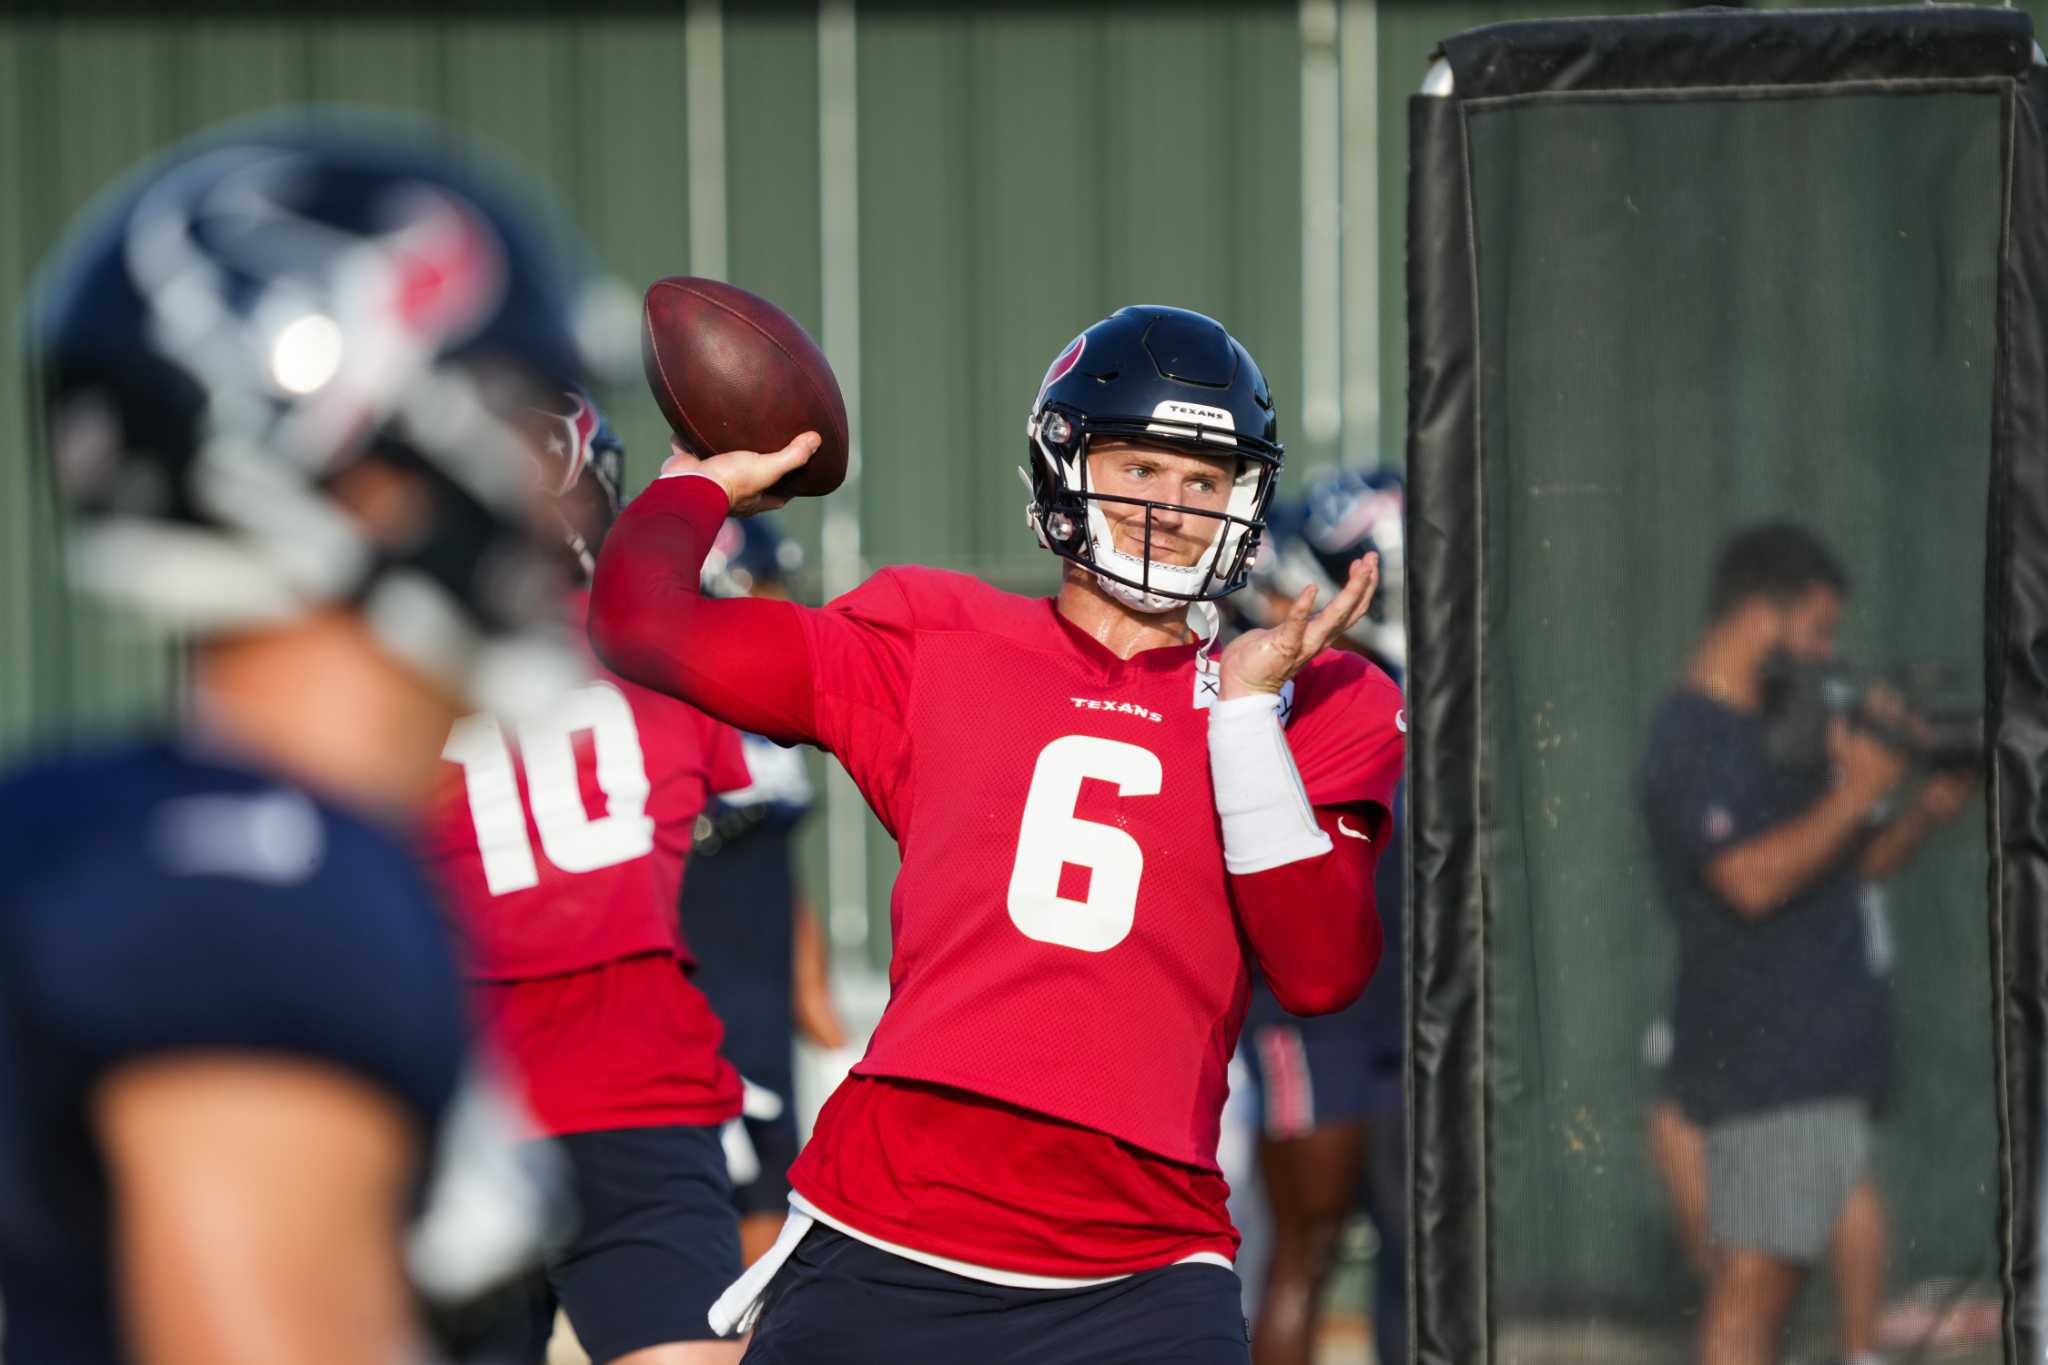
x=732 y=371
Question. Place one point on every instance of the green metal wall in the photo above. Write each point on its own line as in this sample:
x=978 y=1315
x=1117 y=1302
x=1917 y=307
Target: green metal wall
x=1023 y=174
x=1020 y=174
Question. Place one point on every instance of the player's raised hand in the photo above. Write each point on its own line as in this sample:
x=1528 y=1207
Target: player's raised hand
x=746 y=475
x=1263 y=660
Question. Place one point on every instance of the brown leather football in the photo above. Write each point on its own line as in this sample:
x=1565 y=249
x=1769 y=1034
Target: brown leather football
x=732 y=371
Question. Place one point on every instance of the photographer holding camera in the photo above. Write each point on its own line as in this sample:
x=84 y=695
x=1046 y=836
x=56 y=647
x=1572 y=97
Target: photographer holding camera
x=1773 y=792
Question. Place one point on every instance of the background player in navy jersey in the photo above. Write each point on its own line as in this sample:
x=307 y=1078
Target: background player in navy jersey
x=560 y=839
x=279 y=369
x=1328 y=1087
x=1105 y=824
x=754 y=933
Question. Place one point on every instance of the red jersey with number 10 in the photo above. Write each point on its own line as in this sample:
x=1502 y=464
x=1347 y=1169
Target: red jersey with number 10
x=561 y=841
x=1064 y=939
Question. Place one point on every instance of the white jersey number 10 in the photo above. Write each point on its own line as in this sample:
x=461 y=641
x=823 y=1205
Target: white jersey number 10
x=1053 y=836
x=571 y=838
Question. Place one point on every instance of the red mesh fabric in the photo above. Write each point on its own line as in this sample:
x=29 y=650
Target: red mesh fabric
x=956 y=1175
x=626 y=1044
x=1069 y=972
x=546 y=919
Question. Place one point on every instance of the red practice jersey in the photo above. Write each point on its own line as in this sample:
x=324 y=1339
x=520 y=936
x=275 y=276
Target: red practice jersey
x=1063 y=937
x=1068 y=944
x=560 y=844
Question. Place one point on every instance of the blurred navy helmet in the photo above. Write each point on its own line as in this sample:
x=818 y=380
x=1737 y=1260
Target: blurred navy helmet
x=749 y=552
x=232 y=339
x=1341 y=515
x=574 y=446
x=1162 y=376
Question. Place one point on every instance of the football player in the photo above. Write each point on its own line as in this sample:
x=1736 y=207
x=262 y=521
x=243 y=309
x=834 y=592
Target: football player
x=1105 y=821
x=764 y=958
x=560 y=841
x=1329 y=1087
x=280 y=371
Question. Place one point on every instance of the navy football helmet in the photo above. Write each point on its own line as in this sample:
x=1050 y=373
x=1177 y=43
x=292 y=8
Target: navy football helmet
x=1342 y=515
x=227 y=338
x=749 y=552
x=1159 y=376
x=576 y=447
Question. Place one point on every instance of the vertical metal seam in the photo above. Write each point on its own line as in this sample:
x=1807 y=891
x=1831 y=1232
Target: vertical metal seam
x=1322 y=323
x=570 y=83
x=704 y=135
x=976 y=230
x=839 y=276
x=1362 y=437
x=22 y=695
x=1097 y=149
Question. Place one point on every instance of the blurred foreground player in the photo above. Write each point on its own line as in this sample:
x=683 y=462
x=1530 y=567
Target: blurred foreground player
x=560 y=840
x=1103 y=825
x=756 y=938
x=1329 y=1087
x=278 y=369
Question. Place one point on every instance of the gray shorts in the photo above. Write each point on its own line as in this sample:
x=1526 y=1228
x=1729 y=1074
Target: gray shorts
x=1776 y=1181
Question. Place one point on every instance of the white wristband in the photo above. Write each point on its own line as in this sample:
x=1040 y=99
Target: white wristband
x=1267 y=820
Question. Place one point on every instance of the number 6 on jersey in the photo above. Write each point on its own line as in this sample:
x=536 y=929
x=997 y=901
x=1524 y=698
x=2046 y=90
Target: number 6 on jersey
x=1052 y=836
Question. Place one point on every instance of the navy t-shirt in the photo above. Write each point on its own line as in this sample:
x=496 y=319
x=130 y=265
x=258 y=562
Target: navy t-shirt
x=154 y=903
x=1774 y=1011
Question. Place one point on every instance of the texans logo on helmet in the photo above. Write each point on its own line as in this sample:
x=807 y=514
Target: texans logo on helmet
x=1063 y=362
x=449 y=269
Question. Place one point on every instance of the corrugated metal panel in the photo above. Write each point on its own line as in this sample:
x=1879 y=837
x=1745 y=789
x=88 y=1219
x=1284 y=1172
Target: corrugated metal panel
x=1023 y=173
x=19 y=562
x=87 y=101
x=596 y=110
x=90 y=98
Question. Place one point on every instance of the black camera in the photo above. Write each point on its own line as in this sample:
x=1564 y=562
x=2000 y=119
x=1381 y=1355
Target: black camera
x=1934 y=714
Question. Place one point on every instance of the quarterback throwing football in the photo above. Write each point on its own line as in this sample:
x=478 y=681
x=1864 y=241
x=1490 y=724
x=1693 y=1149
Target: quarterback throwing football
x=1103 y=821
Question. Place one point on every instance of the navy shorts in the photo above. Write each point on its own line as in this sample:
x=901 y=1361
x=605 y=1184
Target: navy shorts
x=839 y=1301
x=655 y=1244
x=1310 y=1072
